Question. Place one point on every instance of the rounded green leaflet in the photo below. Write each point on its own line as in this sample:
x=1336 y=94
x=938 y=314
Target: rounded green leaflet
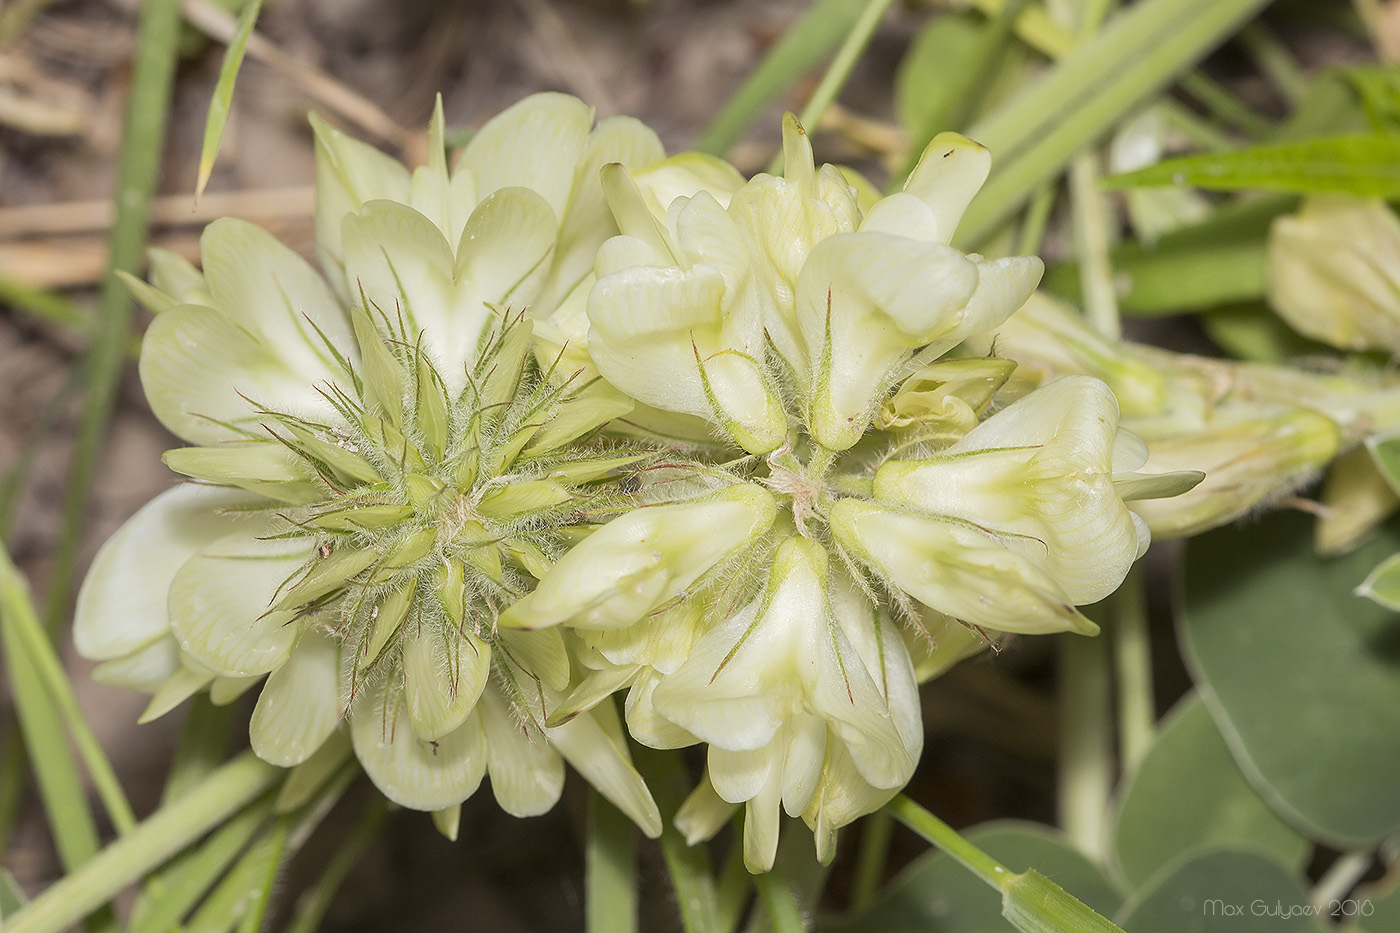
x=1301 y=675
x=1372 y=908
x=1188 y=793
x=937 y=895
x=1221 y=891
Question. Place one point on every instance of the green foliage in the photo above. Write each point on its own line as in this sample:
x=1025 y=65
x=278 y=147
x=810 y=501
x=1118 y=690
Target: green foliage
x=1221 y=891
x=1188 y=794
x=1300 y=675
x=1360 y=165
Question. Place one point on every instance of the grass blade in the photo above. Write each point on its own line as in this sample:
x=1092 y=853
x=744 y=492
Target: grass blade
x=142 y=139
x=820 y=30
x=220 y=103
x=611 y=873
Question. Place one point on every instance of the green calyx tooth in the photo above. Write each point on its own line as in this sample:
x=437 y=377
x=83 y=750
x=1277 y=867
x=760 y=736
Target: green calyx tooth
x=326 y=575
x=387 y=616
x=348 y=465
x=528 y=556
x=239 y=463
x=396 y=447
x=422 y=489
x=408 y=551
x=351 y=518
x=515 y=499
x=450 y=583
x=430 y=407
x=384 y=377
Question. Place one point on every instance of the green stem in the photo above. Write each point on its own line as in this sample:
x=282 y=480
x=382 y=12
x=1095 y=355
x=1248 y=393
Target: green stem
x=143 y=136
x=151 y=843
x=1138 y=53
x=840 y=71
x=871 y=858
x=780 y=903
x=1225 y=106
x=1275 y=60
x=1086 y=758
x=947 y=839
x=55 y=680
x=1132 y=653
x=688 y=866
x=610 y=873
x=1092 y=241
x=1036 y=220
x=801 y=48
x=734 y=889
x=312 y=906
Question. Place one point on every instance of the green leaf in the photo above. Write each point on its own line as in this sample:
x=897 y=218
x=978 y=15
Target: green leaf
x=1379 y=88
x=1361 y=165
x=1375 y=908
x=935 y=894
x=1385 y=451
x=223 y=94
x=11 y=897
x=1382 y=585
x=1187 y=794
x=1219 y=261
x=820 y=30
x=1301 y=676
x=1223 y=891
x=1253 y=332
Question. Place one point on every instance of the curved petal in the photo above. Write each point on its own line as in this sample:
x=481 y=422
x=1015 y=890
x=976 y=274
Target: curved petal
x=219 y=603
x=277 y=296
x=348 y=173
x=444 y=673
x=950 y=171
x=996 y=581
x=505 y=247
x=593 y=742
x=535 y=144
x=527 y=775
x=398 y=262
x=122 y=605
x=409 y=771
x=299 y=706
x=201 y=372
x=144 y=669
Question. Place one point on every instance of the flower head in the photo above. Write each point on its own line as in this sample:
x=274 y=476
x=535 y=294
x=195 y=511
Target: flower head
x=383 y=467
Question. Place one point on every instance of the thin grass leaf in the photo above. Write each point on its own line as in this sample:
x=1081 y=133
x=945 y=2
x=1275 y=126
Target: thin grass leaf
x=143 y=137
x=191 y=877
x=1365 y=166
x=688 y=866
x=611 y=869
x=820 y=30
x=60 y=783
x=201 y=750
x=222 y=100
x=11 y=897
x=44 y=305
x=243 y=894
x=1137 y=54
x=151 y=844
x=316 y=900
x=49 y=669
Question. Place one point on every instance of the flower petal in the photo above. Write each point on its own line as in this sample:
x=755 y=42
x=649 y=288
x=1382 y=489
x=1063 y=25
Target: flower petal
x=594 y=744
x=535 y=144
x=409 y=771
x=122 y=605
x=527 y=775
x=299 y=706
x=444 y=673
x=505 y=247
x=219 y=603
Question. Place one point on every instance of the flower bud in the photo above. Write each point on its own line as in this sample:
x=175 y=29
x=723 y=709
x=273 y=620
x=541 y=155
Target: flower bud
x=1334 y=272
x=1249 y=455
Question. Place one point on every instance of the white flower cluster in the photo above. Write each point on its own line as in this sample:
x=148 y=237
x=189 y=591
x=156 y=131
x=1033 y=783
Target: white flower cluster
x=568 y=419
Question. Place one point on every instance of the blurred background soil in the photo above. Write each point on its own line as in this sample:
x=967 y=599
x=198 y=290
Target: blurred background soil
x=372 y=67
